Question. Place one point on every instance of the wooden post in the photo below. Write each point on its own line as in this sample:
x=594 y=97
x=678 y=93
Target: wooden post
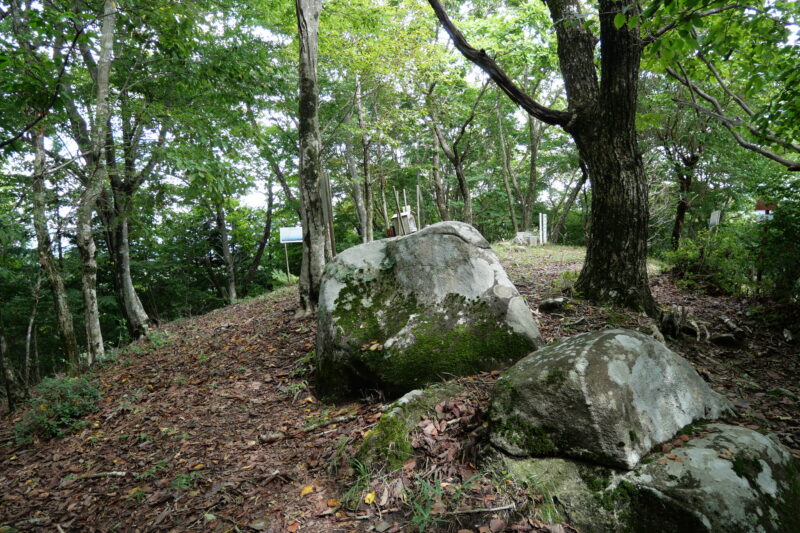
x=401 y=229
x=419 y=203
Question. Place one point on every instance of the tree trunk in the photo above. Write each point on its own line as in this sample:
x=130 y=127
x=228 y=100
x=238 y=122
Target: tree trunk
x=314 y=231
x=440 y=194
x=535 y=130
x=7 y=373
x=555 y=233
x=227 y=258
x=601 y=119
x=29 y=333
x=357 y=193
x=685 y=183
x=66 y=329
x=262 y=244
x=365 y=143
x=506 y=170
x=138 y=320
x=455 y=158
x=95 y=181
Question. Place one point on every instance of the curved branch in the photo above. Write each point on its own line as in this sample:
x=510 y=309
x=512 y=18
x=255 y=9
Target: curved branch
x=730 y=123
x=498 y=75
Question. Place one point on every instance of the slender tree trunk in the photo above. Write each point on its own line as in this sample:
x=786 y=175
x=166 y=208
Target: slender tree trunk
x=262 y=243
x=555 y=233
x=535 y=130
x=227 y=258
x=357 y=192
x=455 y=158
x=314 y=231
x=66 y=329
x=506 y=170
x=685 y=183
x=365 y=143
x=95 y=181
x=440 y=194
x=7 y=373
x=29 y=334
x=138 y=320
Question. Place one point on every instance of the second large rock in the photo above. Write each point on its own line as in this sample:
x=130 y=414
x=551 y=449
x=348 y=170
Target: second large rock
x=399 y=313
x=607 y=397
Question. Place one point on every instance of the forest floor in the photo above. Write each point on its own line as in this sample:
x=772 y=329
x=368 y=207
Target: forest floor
x=212 y=425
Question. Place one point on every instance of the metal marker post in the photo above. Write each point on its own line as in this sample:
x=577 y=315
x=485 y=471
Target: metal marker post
x=288 y=235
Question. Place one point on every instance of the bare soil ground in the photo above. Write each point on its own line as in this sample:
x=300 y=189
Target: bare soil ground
x=211 y=425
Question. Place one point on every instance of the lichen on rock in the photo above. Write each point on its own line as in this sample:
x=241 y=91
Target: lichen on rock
x=400 y=313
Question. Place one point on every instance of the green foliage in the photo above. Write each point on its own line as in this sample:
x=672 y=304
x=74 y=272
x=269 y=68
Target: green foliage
x=425 y=496
x=722 y=260
x=56 y=407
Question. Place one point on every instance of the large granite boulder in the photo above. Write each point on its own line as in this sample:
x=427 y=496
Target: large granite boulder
x=400 y=313
x=607 y=397
x=726 y=479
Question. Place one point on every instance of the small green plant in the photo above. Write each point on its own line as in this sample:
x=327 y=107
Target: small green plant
x=153 y=470
x=303 y=366
x=422 y=502
x=158 y=338
x=295 y=389
x=279 y=278
x=337 y=457
x=361 y=480
x=185 y=481
x=56 y=407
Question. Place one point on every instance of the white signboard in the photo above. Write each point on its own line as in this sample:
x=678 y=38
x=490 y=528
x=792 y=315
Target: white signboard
x=289 y=235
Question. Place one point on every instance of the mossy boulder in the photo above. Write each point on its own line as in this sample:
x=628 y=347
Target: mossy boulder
x=398 y=314
x=388 y=445
x=729 y=479
x=606 y=397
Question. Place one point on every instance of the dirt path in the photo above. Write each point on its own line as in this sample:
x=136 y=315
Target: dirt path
x=211 y=426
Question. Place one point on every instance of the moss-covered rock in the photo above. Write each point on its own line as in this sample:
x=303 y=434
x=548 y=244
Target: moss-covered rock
x=388 y=445
x=606 y=397
x=398 y=314
x=729 y=479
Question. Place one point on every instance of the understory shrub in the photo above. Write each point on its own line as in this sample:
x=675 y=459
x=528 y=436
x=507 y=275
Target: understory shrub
x=56 y=407
x=724 y=259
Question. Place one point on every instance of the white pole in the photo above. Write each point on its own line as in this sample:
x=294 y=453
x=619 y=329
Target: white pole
x=544 y=231
x=286 y=253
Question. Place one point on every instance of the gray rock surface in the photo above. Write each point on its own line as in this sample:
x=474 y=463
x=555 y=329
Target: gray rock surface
x=400 y=313
x=607 y=397
x=730 y=479
x=733 y=479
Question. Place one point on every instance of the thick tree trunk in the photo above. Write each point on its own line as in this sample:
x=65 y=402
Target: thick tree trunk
x=615 y=268
x=225 y=249
x=439 y=192
x=66 y=329
x=314 y=231
x=262 y=243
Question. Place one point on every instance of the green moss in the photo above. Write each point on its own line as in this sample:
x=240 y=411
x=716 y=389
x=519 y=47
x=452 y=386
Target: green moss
x=519 y=432
x=388 y=444
x=616 y=319
x=632 y=435
x=458 y=337
x=747 y=468
x=555 y=377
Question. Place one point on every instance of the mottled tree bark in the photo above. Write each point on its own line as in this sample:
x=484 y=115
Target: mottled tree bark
x=66 y=329
x=601 y=119
x=314 y=231
x=225 y=251
x=365 y=143
x=439 y=191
